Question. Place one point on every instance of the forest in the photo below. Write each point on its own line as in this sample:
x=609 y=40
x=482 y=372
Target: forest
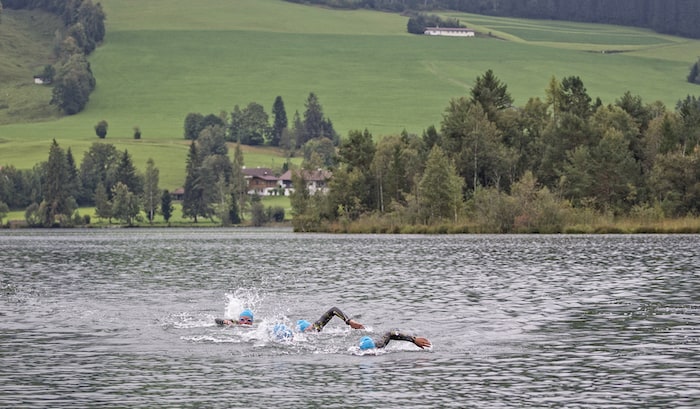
x=490 y=166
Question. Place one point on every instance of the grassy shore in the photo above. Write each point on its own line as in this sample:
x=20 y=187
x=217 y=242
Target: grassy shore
x=601 y=225
x=16 y=217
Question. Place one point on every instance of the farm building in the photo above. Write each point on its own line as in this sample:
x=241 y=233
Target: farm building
x=449 y=31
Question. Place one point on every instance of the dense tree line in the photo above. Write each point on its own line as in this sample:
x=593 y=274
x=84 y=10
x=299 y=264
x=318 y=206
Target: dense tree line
x=419 y=21
x=84 y=29
x=676 y=17
x=52 y=191
x=311 y=132
x=520 y=168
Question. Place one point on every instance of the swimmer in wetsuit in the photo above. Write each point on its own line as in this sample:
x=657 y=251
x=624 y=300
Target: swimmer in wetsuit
x=306 y=326
x=368 y=343
x=282 y=333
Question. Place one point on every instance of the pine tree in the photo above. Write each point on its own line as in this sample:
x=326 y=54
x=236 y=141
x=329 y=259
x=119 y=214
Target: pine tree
x=126 y=174
x=694 y=76
x=166 y=206
x=280 y=121
x=192 y=203
x=239 y=186
x=313 y=119
x=57 y=201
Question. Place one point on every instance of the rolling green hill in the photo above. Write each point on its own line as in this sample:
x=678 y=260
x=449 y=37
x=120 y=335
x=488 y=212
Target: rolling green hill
x=26 y=41
x=163 y=59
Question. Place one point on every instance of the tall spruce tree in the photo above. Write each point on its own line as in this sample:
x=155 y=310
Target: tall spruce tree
x=125 y=173
x=491 y=93
x=280 y=121
x=166 y=206
x=239 y=185
x=57 y=201
x=193 y=204
x=694 y=76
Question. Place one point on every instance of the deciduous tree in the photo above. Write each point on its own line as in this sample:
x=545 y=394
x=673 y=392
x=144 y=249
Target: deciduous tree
x=440 y=188
x=73 y=85
x=101 y=129
x=125 y=205
x=151 y=191
x=103 y=206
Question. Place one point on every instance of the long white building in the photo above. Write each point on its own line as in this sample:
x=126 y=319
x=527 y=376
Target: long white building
x=449 y=31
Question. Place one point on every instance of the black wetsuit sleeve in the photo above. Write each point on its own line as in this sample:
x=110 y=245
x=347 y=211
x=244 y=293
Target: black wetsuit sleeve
x=395 y=335
x=327 y=316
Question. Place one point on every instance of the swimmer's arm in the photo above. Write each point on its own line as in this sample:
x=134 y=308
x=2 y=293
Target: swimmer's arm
x=328 y=315
x=225 y=321
x=397 y=335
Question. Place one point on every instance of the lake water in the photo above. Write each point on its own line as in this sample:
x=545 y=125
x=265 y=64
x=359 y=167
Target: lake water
x=124 y=318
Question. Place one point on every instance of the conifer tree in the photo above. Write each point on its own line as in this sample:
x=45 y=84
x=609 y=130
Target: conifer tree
x=193 y=204
x=280 y=121
x=125 y=173
x=57 y=201
x=166 y=206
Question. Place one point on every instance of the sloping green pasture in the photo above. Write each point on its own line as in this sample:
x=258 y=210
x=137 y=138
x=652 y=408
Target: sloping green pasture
x=163 y=59
x=26 y=42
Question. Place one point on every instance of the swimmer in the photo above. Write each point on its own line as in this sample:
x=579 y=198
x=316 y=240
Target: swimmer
x=368 y=343
x=282 y=333
x=245 y=318
x=306 y=326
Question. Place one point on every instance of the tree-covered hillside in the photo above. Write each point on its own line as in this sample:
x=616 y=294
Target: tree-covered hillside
x=71 y=75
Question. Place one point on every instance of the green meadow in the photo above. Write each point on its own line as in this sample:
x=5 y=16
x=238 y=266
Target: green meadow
x=163 y=59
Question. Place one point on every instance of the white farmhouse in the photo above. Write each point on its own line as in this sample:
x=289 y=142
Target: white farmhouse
x=449 y=31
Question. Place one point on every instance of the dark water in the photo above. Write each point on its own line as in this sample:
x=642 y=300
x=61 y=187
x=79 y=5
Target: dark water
x=124 y=318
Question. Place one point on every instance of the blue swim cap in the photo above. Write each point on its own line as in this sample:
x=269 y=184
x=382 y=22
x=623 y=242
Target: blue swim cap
x=281 y=332
x=246 y=313
x=303 y=325
x=366 y=343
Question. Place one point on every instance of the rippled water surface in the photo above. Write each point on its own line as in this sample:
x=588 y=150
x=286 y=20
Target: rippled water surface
x=98 y=318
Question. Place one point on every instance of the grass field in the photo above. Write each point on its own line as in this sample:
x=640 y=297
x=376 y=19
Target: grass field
x=175 y=219
x=163 y=59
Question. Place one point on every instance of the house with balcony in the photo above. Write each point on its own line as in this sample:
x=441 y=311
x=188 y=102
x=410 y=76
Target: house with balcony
x=316 y=180
x=261 y=181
